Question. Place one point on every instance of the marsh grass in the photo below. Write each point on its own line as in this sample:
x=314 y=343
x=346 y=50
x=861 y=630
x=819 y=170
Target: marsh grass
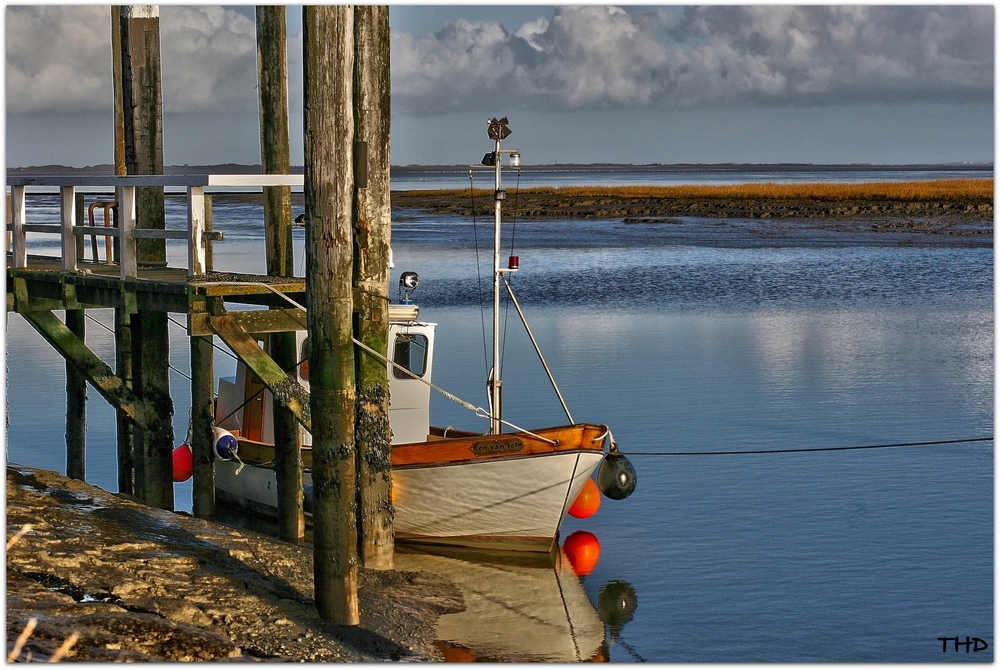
x=941 y=190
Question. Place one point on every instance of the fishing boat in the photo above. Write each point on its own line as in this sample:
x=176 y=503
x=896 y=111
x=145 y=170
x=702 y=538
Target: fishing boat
x=504 y=487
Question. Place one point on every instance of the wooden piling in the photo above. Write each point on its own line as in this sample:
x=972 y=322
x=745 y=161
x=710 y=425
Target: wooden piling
x=142 y=139
x=142 y=119
x=202 y=420
x=124 y=427
x=328 y=67
x=150 y=381
x=272 y=85
x=272 y=80
x=76 y=405
x=116 y=75
x=123 y=331
x=372 y=227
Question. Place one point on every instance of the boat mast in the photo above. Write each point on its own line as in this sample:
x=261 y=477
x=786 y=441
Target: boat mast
x=495 y=409
x=497 y=131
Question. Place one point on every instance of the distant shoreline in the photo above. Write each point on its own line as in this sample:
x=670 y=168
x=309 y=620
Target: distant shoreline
x=777 y=168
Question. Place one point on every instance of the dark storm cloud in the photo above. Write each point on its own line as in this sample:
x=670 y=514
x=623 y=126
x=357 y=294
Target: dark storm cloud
x=599 y=57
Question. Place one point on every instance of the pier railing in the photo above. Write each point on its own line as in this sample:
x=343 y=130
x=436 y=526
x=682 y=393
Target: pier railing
x=126 y=232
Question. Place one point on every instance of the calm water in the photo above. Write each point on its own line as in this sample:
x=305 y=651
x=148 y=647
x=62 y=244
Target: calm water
x=668 y=175
x=843 y=556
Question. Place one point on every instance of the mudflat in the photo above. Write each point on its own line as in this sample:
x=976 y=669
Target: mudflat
x=142 y=584
x=948 y=214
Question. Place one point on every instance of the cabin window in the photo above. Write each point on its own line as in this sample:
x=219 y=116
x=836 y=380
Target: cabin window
x=304 y=360
x=411 y=353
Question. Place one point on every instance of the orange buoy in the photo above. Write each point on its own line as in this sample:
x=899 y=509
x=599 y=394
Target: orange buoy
x=587 y=502
x=583 y=551
x=183 y=463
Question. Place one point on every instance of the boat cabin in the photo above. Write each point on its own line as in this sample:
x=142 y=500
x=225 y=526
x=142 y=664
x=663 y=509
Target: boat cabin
x=244 y=405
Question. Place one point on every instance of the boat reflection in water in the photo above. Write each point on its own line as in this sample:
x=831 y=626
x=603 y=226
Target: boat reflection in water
x=520 y=607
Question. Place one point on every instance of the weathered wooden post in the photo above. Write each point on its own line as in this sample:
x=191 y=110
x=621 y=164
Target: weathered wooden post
x=124 y=428
x=139 y=40
x=123 y=331
x=203 y=403
x=272 y=80
x=76 y=405
x=328 y=69
x=372 y=227
x=150 y=363
x=142 y=119
x=202 y=420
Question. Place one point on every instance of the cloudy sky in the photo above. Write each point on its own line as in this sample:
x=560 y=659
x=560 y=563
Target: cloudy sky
x=583 y=84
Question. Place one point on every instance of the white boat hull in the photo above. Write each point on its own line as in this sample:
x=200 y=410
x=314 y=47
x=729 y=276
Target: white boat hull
x=515 y=503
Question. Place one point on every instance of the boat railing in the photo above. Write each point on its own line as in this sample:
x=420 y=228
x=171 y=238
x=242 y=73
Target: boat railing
x=127 y=234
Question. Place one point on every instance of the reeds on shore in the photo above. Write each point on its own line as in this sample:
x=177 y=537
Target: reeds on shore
x=940 y=190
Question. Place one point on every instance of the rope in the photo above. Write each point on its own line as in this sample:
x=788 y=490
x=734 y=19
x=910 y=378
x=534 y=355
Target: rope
x=506 y=311
x=479 y=274
x=479 y=411
x=214 y=345
x=254 y=396
x=110 y=330
x=809 y=449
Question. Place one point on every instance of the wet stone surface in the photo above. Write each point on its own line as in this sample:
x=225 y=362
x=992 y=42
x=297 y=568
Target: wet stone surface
x=142 y=584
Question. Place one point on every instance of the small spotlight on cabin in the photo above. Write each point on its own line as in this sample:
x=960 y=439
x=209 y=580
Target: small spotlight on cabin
x=490 y=159
x=407 y=285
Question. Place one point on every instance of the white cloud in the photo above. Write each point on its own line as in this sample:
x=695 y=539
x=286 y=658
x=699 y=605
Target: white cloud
x=599 y=57
x=208 y=60
x=588 y=57
x=59 y=59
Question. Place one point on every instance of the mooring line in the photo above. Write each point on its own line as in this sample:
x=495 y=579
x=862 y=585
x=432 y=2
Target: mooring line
x=808 y=449
x=214 y=345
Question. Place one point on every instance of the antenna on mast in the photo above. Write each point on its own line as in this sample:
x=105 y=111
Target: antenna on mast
x=497 y=131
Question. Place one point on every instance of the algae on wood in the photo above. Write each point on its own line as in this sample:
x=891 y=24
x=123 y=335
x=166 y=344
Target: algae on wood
x=372 y=225
x=272 y=85
x=328 y=69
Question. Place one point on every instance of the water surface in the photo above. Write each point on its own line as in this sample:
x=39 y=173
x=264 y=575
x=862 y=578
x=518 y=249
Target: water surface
x=847 y=556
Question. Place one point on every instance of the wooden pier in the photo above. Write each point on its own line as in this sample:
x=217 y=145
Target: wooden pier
x=345 y=186
x=214 y=304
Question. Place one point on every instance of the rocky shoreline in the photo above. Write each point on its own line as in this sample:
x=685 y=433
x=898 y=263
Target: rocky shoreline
x=936 y=222
x=143 y=584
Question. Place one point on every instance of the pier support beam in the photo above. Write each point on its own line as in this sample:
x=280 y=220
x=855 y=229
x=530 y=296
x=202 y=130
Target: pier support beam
x=139 y=147
x=283 y=386
x=328 y=74
x=202 y=420
x=96 y=371
x=137 y=79
x=76 y=405
x=155 y=440
x=124 y=427
x=272 y=79
x=372 y=225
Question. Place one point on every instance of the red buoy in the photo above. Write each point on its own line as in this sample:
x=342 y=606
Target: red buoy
x=183 y=463
x=583 y=551
x=587 y=502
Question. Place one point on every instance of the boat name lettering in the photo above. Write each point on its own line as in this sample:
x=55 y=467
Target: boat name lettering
x=508 y=446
